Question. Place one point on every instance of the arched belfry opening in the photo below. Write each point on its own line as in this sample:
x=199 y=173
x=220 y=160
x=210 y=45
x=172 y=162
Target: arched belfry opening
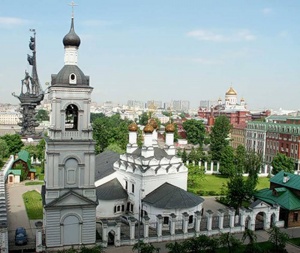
x=71 y=119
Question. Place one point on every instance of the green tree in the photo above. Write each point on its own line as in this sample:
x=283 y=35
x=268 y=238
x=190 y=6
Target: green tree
x=227 y=159
x=195 y=174
x=13 y=142
x=42 y=115
x=253 y=163
x=240 y=158
x=230 y=242
x=96 y=115
x=219 y=136
x=195 y=131
x=282 y=162
x=144 y=247
x=176 y=247
x=278 y=239
x=143 y=119
x=31 y=149
x=115 y=148
x=237 y=191
x=184 y=156
x=4 y=150
x=110 y=130
x=252 y=246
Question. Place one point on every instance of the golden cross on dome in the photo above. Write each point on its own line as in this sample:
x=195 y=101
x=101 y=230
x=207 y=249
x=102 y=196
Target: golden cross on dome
x=73 y=5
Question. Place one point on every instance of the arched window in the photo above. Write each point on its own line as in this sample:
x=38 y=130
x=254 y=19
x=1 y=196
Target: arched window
x=71 y=119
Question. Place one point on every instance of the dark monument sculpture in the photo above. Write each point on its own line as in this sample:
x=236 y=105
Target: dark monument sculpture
x=31 y=94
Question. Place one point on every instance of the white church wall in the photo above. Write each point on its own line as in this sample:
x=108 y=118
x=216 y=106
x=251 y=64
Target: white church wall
x=152 y=212
x=106 y=208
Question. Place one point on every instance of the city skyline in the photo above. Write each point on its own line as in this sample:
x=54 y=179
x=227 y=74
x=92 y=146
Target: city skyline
x=165 y=51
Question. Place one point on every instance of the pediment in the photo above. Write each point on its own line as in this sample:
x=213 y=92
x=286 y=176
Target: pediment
x=71 y=199
x=259 y=204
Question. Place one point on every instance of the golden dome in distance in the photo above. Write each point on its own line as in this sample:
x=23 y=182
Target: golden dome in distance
x=231 y=91
x=133 y=127
x=153 y=123
x=170 y=128
x=148 y=129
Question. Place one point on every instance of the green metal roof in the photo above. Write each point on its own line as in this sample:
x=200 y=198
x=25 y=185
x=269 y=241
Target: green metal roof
x=293 y=181
x=24 y=155
x=285 y=199
x=15 y=172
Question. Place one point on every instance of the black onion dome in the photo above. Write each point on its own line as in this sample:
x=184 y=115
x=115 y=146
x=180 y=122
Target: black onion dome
x=71 y=39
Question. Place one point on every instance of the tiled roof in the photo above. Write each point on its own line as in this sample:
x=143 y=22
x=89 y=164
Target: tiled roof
x=168 y=196
x=104 y=164
x=284 y=198
x=111 y=190
x=293 y=181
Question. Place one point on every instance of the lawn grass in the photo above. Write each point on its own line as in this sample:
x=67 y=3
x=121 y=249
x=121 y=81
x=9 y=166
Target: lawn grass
x=34 y=183
x=295 y=241
x=211 y=185
x=33 y=204
x=263 y=182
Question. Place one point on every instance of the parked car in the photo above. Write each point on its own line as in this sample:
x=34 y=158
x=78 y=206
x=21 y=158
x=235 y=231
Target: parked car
x=20 y=236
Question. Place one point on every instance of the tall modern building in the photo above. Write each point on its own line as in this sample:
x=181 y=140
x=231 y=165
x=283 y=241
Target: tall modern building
x=69 y=195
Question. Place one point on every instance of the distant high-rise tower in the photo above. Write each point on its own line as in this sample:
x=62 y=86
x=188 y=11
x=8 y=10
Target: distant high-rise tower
x=69 y=192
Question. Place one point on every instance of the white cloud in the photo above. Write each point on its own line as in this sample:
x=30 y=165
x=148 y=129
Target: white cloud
x=266 y=11
x=11 y=21
x=206 y=35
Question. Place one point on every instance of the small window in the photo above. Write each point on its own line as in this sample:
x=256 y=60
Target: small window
x=166 y=220
x=295 y=216
x=123 y=208
x=131 y=207
x=115 y=209
x=191 y=219
x=126 y=185
x=132 y=188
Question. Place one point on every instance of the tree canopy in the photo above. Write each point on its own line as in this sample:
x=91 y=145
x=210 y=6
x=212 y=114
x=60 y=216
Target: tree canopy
x=4 y=150
x=195 y=131
x=13 y=142
x=227 y=161
x=42 y=115
x=110 y=130
x=282 y=162
x=219 y=136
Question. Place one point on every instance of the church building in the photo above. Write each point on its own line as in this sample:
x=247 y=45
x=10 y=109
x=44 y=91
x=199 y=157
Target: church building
x=147 y=181
x=69 y=194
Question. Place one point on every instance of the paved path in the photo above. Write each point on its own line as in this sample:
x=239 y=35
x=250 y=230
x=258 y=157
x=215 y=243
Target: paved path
x=17 y=216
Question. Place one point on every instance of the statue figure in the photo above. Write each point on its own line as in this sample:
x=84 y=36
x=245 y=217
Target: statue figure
x=26 y=82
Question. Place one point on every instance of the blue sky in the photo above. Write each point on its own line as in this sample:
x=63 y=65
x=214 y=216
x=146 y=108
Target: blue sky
x=163 y=50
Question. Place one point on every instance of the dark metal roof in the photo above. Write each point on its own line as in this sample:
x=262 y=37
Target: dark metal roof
x=168 y=196
x=104 y=164
x=63 y=77
x=111 y=190
x=159 y=153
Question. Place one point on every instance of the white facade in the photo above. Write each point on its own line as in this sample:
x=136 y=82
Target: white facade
x=70 y=196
